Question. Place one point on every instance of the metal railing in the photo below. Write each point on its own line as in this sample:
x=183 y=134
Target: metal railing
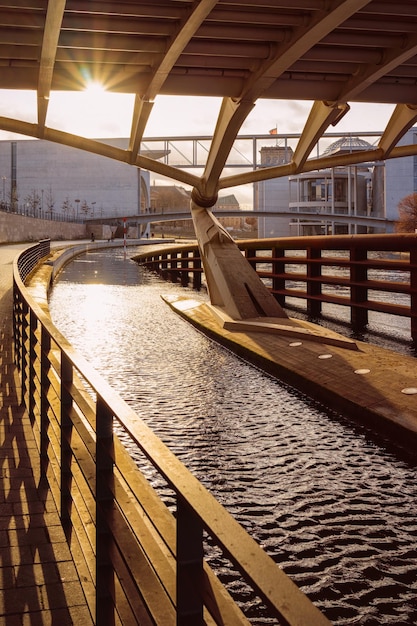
x=139 y=561
x=363 y=272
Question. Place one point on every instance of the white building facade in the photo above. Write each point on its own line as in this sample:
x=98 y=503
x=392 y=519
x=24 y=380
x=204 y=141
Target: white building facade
x=360 y=191
x=44 y=179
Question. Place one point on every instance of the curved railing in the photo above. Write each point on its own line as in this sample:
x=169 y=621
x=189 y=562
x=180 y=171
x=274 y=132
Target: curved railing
x=139 y=562
x=363 y=272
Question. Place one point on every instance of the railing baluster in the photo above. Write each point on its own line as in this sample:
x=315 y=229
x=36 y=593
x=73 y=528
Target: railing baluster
x=104 y=502
x=413 y=291
x=358 y=293
x=33 y=365
x=44 y=403
x=313 y=286
x=24 y=341
x=189 y=566
x=184 y=267
x=66 y=452
x=278 y=267
x=196 y=270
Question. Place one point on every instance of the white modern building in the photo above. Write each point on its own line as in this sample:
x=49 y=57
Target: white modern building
x=41 y=178
x=324 y=197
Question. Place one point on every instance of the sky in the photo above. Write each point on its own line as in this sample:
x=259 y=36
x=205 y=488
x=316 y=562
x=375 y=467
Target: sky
x=95 y=113
x=99 y=114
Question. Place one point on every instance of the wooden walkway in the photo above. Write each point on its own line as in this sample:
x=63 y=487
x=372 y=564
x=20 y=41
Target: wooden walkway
x=39 y=582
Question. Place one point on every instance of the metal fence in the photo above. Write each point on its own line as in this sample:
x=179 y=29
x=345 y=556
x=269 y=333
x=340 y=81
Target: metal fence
x=362 y=272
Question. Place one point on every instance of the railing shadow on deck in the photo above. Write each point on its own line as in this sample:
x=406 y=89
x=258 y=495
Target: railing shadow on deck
x=361 y=272
x=140 y=562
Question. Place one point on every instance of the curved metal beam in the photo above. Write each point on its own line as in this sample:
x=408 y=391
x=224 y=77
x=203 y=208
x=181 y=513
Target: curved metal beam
x=303 y=39
x=402 y=118
x=52 y=29
x=234 y=111
x=143 y=104
x=321 y=116
x=97 y=147
x=231 y=117
x=327 y=162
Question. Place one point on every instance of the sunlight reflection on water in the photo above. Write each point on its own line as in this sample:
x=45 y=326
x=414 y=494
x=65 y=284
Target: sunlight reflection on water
x=335 y=510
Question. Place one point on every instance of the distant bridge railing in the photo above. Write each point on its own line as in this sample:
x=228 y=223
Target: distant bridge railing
x=139 y=562
x=363 y=272
x=171 y=215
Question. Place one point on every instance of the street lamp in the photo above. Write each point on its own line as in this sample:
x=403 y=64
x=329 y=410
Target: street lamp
x=77 y=202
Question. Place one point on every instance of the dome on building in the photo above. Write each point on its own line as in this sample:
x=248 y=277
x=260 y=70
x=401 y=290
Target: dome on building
x=348 y=144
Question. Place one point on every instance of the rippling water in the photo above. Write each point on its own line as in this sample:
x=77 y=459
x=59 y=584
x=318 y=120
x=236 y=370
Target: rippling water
x=333 y=508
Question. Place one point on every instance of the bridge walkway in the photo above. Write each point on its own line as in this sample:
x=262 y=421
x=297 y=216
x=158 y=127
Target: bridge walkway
x=38 y=579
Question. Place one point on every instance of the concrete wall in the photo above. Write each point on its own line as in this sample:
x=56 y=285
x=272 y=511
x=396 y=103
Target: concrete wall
x=14 y=228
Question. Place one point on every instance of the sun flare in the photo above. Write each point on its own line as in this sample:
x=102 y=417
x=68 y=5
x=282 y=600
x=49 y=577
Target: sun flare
x=94 y=88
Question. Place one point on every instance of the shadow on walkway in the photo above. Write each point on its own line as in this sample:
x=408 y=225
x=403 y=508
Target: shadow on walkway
x=38 y=580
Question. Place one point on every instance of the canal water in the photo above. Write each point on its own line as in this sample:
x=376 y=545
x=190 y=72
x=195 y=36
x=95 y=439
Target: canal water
x=334 y=507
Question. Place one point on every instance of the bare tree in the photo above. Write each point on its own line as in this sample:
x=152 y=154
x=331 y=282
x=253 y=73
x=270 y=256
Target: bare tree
x=33 y=203
x=85 y=208
x=67 y=207
x=407 y=213
x=50 y=201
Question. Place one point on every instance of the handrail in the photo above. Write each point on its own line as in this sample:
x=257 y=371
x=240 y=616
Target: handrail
x=356 y=271
x=139 y=563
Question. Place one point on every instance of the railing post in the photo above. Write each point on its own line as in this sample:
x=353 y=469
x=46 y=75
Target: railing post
x=163 y=266
x=250 y=254
x=413 y=291
x=313 y=286
x=189 y=566
x=196 y=266
x=33 y=323
x=358 y=293
x=17 y=327
x=44 y=403
x=66 y=431
x=278 y=267
x=24 y=339
x=104 y=503
x=185 y=268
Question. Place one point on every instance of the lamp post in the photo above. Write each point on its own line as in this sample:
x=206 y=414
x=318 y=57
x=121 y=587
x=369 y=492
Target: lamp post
x=77 y=202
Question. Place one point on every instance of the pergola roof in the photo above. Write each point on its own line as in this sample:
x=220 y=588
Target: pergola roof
x=329 y=51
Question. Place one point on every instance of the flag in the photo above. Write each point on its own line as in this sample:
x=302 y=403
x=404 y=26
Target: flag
x=273 y=131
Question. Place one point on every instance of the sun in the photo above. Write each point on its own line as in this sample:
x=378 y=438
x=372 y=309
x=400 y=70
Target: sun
x=94 y=88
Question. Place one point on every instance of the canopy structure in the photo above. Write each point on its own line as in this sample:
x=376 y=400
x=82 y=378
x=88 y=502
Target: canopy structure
x=331 y=52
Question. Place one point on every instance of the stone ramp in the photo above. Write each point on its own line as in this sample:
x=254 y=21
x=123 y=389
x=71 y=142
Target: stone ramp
x=374 y=386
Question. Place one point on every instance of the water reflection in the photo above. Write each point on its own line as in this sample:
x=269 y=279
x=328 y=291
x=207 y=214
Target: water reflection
x=336 y=511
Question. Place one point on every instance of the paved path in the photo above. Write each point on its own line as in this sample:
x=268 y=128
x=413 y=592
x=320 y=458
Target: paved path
x=39 y=584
